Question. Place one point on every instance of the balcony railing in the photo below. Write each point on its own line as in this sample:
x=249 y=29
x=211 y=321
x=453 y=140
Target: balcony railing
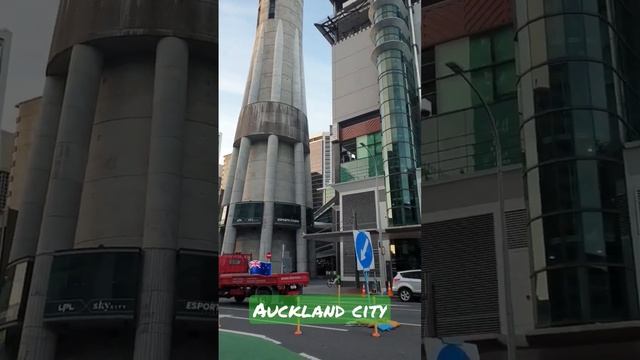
x=360 y=169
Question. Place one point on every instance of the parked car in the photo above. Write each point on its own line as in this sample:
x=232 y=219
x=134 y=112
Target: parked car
x=407 y=284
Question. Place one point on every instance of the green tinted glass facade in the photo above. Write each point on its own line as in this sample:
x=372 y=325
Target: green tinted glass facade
x=398 y=104
x=578 y=78
x=457 y=140
x=358 y=162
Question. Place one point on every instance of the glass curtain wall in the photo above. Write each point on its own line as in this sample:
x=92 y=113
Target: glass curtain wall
x=578 y=100
x=457 y=139
x=398 y=98
x=356 y=162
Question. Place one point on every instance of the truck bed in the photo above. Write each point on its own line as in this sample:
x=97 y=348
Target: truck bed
x=241 y=279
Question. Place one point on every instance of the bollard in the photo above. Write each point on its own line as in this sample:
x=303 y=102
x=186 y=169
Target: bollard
x=375 y=332
x=298 y=331
x=363 y=292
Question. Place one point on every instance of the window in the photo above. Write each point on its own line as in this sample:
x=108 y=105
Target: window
x=259 y=11
x=248 y=213
x=429 y=77
x=361 y=162
x=490 y=62
x=90 y=280
x=287 y=214
x=272 y=9
x=196 y=277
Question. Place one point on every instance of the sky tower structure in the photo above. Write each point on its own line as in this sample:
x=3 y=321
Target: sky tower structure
x=268 y=195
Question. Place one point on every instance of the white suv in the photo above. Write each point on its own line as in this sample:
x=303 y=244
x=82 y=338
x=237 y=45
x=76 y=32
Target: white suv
x=407 y=284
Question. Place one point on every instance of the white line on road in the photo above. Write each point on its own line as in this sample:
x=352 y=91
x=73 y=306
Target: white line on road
x=409 y=324
x=263 y=337
x=307 y=356
x=284 y=323
x=414 y=310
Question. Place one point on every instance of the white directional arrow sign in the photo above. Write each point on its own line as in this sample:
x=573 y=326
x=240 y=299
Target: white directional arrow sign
x=363 y=250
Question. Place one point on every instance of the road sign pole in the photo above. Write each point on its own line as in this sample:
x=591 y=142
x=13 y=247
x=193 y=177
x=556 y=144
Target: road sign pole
x=366 y=281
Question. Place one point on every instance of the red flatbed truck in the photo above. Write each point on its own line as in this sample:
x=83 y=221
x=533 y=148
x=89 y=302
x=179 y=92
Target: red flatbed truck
x=235 y=281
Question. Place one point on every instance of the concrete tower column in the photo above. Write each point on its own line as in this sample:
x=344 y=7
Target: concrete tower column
x=63 y=196
x=229 y=242
x=153 y=334
x=228 y=188
x=266 y=235
x=299 y=170
x=39 y=168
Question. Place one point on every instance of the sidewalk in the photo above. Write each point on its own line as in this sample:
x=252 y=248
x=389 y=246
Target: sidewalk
x=319 y=287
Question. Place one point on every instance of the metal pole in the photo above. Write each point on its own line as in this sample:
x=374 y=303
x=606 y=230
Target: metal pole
x=355 y=227
x=383 y=277
x=511 y=337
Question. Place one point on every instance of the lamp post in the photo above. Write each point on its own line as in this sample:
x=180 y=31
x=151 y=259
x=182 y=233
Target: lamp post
x=511 y=336
x=383 y=276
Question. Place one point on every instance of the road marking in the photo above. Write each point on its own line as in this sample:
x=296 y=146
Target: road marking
x=284 y=323
x=263 y=337
x=307 y=356
x=414 y=310
x=408 y=324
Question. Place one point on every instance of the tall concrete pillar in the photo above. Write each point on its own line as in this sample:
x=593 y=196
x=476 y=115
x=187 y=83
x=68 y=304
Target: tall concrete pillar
x=266 y=234
x=160 y=238
x=311 y=251
x=229 y=242
x=301 y=199
x=38 y=170
x=228 y=188
x=307 y=176
x=63 y=196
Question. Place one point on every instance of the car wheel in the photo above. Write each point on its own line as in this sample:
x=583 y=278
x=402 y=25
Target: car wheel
x=405 y=294
x=239 y=299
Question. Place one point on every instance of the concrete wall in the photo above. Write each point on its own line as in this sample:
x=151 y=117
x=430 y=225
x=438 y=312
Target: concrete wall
x=5 y=50
x=276 y=72
x=477 y=195
x=254 y=180
x=101 y=22
x=6 y=151
x=463 y=192
x=113 y=196
x=285 y=179
x=198 y=214
x=28 y=116
x=355 y=77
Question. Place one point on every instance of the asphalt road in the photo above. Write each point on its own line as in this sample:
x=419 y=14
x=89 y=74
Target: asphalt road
x=332 y=341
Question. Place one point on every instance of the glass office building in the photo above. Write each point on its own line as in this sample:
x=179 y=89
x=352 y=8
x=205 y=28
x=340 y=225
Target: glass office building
x=578 y=97
x=457 y=140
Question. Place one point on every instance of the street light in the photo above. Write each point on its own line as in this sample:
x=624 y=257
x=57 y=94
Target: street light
x=511 y=336
x=383 y=276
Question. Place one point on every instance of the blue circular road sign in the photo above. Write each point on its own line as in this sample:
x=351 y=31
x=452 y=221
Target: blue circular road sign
x=364 y=250
x=452 y=352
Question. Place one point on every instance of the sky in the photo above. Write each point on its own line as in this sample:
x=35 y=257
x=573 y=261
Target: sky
x=237 y=31
x=31 y=22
